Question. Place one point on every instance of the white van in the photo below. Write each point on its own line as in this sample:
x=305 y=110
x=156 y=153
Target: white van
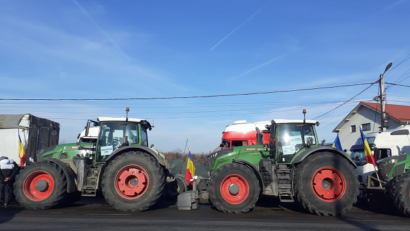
x=392 y=142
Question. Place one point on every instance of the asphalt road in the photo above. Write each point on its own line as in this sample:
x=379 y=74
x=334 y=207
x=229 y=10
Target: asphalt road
x=95 y=214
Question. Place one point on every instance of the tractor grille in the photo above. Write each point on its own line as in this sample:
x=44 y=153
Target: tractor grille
x=210 y=162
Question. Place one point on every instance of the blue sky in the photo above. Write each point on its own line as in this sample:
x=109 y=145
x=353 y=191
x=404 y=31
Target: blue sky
x=125 y=49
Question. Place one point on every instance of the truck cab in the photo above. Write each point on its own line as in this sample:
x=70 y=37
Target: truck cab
x=242 y=133
x=392 y=142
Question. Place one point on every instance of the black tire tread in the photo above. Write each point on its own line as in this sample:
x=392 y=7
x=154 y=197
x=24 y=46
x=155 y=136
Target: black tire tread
x=300 y=191
x=158 y=190
x=396 y=189
x=212 y=185
x=60 y=187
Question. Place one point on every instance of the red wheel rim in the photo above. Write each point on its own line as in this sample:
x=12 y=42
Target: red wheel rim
x=35 y=178
x=131 y=182
x=234 y=189
x=329 y=184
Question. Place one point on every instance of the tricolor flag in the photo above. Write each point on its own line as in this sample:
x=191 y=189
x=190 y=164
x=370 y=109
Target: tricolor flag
x=337 y=144
x=190 y=169
x=22 y=153
x=367 y=150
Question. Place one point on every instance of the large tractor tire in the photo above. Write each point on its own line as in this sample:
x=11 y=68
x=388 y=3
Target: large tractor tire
x=399 y=190
x=133 y=182
x=325 y=184
x=233 y=188
x=41 y=185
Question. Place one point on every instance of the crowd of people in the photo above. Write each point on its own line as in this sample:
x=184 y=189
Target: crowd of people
x=8 y=171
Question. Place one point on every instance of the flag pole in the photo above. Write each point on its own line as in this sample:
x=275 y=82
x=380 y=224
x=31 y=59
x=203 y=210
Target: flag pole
x=375 y=170
x=186 y=145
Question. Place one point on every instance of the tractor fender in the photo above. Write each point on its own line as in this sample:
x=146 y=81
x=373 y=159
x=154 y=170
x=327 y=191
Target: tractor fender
x=68 y=172
x=136 y=148
x=317 y=149
x=253 y=168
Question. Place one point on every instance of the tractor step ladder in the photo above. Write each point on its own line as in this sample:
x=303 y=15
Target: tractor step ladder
x=91 y=186
x=284 y=186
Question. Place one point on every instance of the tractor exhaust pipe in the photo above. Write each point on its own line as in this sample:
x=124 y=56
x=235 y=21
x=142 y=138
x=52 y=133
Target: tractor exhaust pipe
x=127 y=110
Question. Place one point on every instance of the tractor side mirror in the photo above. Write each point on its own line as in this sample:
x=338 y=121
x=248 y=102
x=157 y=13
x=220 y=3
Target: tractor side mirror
x=87 y=128
x=151 y=146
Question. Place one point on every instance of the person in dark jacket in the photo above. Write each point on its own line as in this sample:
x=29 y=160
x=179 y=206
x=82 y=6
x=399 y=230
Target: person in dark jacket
x=8 y=171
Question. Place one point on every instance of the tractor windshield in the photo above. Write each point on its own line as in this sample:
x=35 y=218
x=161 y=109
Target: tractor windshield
x=291 y=138
x=113 y=135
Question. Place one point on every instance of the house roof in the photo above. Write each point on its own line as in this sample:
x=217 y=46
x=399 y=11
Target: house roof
x=400 y=113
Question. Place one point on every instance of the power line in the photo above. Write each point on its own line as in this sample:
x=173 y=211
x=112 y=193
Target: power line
x=193 y=97
x=396 y=84
x=346 y=101
x=401 y=62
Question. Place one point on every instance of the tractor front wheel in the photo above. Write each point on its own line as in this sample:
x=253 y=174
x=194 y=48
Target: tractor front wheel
x=325 y=184
x=233 y=188
x=40 y=185
x=133 y=182
x=399 y=191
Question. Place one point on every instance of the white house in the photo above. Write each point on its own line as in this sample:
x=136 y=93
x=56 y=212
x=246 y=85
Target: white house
x=367 y=116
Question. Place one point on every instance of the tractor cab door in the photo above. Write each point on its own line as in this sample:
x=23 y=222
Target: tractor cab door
x=114 y=135
x=292 y=139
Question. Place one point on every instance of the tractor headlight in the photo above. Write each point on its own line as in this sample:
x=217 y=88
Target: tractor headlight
x=392 y=161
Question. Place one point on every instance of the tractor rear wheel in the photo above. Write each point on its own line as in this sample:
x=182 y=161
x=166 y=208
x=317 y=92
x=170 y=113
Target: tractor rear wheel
x=41 y=185
x=133 y=182
x=233 y=188
x=399 y=191
x=326 y=184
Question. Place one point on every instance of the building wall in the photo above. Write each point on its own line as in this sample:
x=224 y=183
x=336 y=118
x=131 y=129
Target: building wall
x=364 y=115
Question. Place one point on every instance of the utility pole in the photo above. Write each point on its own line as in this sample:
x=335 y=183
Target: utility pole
x=384 y=121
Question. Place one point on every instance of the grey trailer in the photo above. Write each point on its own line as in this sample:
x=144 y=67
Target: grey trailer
x=35 y=133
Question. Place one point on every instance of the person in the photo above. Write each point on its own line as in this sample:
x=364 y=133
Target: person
x=8 y=171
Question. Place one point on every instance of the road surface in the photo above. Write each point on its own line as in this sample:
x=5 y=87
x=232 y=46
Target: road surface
x=95 y=214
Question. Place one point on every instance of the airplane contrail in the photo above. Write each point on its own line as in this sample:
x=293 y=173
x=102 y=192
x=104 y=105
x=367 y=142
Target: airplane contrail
x=240 y=25
x=95 y=23
x=259 y=66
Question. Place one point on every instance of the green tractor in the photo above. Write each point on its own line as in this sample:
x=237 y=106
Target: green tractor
x=118 y=162
x=292 y=167
x=393 y=181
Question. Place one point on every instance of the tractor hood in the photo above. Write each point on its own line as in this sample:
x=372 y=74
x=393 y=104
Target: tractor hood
x=211 y=158
x=385 y=166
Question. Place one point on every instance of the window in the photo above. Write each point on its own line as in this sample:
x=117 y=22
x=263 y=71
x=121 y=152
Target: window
x=112 y=137
x=366 y=127
x=290 y=140
x=382 y=153
x=370 y=140
x=144 y=137
x=353 y=128
x=237 y=143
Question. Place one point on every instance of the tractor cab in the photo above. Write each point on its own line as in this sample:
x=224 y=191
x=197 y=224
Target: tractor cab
x=288 y=138
x=114 y=134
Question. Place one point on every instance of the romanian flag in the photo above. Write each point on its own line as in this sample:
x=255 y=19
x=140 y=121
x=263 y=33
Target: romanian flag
x=190 y=169
x=22 y=153
x=337 y=144
x=367 y=150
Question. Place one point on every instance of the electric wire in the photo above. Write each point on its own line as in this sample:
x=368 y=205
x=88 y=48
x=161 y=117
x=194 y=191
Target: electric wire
x=345 y=101
x=190 y=97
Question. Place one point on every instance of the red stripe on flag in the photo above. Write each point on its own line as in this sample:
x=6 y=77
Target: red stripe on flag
x=370 y=159
x=188 y=177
